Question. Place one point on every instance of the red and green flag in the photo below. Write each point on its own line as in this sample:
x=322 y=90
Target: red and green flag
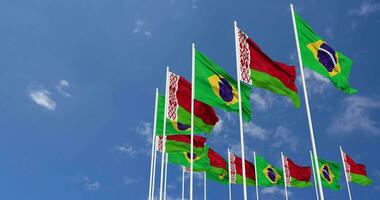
x=179 y=109
x=267 y=175
x=295 y=175
x=180 y=143
x=236 y=170
x=218 y=168
x=356 y=173
x=181 y=125
x=259 y=70
x=216 y=87
x=329 y=172
x=320 y=57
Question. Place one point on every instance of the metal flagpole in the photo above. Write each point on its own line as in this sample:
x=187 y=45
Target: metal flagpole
x=256 y=179
x=164 y=134
x=315 y=156
x=285 y=178
x=192 y=119
x=229 y=175
x=183 y=183
x=240 y=111
x=154 y=171
x=345 y=171
x=153 y=146
x=204 y=186
x=315 y=178
x=166 y=174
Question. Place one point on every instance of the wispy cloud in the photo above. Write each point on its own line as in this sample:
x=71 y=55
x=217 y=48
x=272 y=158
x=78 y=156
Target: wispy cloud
x=316 y=83
x=366 y=8
x=194 y=4
x=142 y=28
x=218 y=127
x=262 y=100
x=130 y=180
x=91 y=185
x=146 y=130
x=356 y=116
x=275 y=191
x=256 y=131
x=42 y=98
x=127 y=149
x=329 y=33
x=284 y=137
x=62 y=85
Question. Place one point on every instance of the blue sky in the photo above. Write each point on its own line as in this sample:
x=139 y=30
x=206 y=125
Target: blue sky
x=77 y=88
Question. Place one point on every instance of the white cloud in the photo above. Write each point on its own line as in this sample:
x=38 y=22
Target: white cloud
x=366 y=8
x=194 y=4
x=275 y=191
x=356 y=116
x=284 y=137
x=129 y=180
x=218 y=127
x=91 y=185
x=315 y=83
x=255 y=131
x=262 y=100
x=377 y=173
x=41 y=97
x=62 y=84
x=293 y=56
x=127 y=149
x=329 y=33
x=141 y=27
x=146 y=130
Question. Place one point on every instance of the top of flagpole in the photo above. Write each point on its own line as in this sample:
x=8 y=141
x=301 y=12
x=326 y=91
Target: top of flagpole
x=306 y=98
x=240 y=109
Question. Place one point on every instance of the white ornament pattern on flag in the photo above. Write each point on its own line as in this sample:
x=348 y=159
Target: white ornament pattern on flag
x=173 y=101
x=232 y=168
x=160 y=141
x=287 y=171
x=245 y=58
x=348 y=168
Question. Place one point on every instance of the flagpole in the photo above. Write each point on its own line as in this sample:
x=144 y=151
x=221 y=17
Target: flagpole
x=345 y=172
x=285 y=178
x=315 y=156
x=183 y=183
x=256 y=179
x=166 y=174
x=153 y=146
x=229 y=175
x=164 y=134
x=315 y=180
x=240 y=112
x=204 y=185
x=154 y=170
x=192 y=118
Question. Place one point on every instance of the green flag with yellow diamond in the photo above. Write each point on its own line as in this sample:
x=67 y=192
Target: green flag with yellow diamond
x=318 y=56
x=216 y=88
x=330 y=174
x=201 y=162
x=267 y=175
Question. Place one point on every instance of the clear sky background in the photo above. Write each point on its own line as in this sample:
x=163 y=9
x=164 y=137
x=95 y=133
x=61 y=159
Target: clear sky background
x=77 y=86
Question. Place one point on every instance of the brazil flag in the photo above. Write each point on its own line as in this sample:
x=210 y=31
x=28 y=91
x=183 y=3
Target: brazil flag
x=318 y=56
x=330 y=174
x=201 y=162
x=267 y=175
x=216 y=88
